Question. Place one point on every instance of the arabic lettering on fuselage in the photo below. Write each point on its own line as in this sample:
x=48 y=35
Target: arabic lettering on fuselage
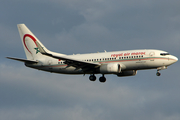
x=128 y=54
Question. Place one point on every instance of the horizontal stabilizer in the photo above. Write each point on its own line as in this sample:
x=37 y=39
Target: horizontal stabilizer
x=23 y=60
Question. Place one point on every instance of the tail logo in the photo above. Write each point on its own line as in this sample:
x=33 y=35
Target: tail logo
x=33 y=39
x=37 y=50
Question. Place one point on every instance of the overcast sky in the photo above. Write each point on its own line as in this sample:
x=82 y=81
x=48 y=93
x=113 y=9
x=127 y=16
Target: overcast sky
x=81 y=26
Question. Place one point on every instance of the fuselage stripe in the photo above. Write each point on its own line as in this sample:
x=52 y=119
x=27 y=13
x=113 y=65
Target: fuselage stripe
x=111 y=61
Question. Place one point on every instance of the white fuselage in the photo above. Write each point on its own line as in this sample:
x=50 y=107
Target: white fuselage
x=128 y=60
x=120 y=63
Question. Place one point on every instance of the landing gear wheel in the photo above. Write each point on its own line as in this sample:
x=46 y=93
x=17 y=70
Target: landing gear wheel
x=158 y=73
x=92 y=78
x=102 y=79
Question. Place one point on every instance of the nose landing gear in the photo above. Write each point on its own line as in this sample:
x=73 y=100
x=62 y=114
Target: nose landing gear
x=158 y=73
x=160 y=68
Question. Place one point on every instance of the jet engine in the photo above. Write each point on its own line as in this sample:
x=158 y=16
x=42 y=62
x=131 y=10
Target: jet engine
x=127 y=73
x=112 y=68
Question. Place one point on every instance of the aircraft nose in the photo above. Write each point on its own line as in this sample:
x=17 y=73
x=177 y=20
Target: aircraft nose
x=175 y=58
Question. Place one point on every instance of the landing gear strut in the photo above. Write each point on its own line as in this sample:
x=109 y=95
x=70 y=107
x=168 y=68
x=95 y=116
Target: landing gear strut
x=92 y=77
x=102 y=79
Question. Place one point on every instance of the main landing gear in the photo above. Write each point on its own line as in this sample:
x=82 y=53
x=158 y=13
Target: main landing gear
x=101 y=79
x=92 y=77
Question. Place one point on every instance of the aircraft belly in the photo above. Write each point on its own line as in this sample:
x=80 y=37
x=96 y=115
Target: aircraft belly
x=69 y=70
x=57 y=69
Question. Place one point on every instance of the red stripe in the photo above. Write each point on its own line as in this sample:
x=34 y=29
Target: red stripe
x=32 y=38
x=106 y=62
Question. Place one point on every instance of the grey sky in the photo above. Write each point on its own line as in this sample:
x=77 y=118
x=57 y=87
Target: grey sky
x=78 y=26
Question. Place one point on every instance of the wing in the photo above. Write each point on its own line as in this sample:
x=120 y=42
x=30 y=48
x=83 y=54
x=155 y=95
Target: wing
x=78 y=64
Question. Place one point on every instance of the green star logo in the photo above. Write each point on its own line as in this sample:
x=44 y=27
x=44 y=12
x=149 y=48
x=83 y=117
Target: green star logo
x=37 y=50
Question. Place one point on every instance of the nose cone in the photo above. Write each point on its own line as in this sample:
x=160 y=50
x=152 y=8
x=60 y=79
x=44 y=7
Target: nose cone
x=174 y=58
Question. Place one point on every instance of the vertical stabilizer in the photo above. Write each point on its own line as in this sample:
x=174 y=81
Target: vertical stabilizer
x=29 y=43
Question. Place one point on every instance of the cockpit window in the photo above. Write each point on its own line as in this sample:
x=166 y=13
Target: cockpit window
x=163 y=54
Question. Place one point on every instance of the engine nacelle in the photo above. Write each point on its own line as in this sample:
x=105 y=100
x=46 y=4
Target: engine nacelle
x=112 y=68
x=127 y=73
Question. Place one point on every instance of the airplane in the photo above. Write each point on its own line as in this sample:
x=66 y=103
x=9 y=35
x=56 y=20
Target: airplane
x=120 y=63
